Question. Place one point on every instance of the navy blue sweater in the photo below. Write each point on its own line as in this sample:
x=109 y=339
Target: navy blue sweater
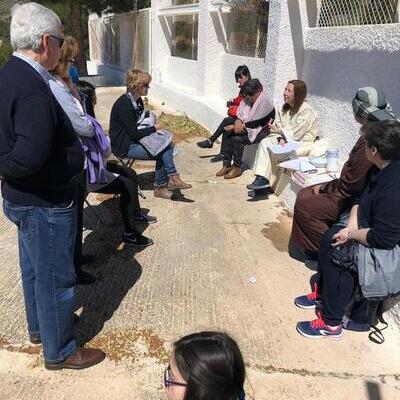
x=41 y=157
x=124 y=127
x=379 y=207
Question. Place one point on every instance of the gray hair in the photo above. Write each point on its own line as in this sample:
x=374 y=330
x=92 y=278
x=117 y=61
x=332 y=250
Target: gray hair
x=29 y=22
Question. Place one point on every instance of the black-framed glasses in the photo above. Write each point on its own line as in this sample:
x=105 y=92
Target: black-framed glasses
x=167 y=379
x=60 y=40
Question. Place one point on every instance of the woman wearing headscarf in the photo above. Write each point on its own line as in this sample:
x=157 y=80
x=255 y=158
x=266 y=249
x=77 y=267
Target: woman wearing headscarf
x=318 y=207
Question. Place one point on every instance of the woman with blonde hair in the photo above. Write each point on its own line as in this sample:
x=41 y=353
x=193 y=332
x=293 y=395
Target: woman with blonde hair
x=135 y=134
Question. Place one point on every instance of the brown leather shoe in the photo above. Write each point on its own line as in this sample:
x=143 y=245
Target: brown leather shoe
x=176 y=183
x=162 y=192
x=82 y=358
x=224 y=170
x=233 y=173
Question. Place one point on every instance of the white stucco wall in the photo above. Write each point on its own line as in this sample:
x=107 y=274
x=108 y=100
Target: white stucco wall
x=199 y=87
x=337 y=62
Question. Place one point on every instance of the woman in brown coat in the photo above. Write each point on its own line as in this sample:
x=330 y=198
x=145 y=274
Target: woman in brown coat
x=318 y=207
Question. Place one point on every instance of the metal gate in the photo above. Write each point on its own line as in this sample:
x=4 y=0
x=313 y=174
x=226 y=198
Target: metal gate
x=122 y=40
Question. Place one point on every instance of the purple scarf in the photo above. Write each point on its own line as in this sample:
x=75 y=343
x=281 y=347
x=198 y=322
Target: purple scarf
x=97 y=150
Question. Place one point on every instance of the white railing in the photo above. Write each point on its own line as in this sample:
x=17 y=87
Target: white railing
x=357 y=12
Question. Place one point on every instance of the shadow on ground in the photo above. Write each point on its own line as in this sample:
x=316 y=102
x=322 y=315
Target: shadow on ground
x=146 y=181
x=115 y=268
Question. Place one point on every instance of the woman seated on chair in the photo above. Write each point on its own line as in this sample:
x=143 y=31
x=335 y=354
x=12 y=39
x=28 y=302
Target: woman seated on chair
x=133 y=133
x=253 y=114
x=374 y=223
x=295 y=122
x=98 y=178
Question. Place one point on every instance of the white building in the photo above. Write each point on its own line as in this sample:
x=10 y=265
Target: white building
x=192 y=48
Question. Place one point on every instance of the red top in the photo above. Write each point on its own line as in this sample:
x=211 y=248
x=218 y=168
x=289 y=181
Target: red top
x=232 y=110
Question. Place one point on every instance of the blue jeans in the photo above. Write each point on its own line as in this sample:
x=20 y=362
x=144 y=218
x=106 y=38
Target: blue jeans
x=164 y=161
x=46 y=238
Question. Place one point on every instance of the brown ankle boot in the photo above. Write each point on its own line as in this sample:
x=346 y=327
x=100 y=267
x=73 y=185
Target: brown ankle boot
x=224 y=170
x=175 y=183
x=162 y=192
x=233 y=173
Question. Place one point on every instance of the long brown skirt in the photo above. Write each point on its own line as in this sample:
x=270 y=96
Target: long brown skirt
x=313 y=216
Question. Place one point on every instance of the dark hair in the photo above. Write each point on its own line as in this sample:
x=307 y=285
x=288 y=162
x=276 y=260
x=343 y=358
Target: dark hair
x=212 y=365
x=300 y=94
x=251 y=87
x=385 y=136
x=87 y=92
x=242 y=70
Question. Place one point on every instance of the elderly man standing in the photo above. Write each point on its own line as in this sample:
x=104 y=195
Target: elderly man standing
x=41 y=160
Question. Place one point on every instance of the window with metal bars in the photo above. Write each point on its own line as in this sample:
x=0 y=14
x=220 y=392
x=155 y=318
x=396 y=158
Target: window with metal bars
x=184 y=36
x=357 y=12
x=247 y=28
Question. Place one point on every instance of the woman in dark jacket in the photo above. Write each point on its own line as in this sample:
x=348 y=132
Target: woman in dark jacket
x=126 y=133
x=374 y=222
x=318 y=207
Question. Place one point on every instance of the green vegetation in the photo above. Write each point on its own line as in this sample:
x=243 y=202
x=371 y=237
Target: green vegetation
x=5 y=52
x=182 y=127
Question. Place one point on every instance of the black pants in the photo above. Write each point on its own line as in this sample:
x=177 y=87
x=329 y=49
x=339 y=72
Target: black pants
x=220 y=130
x=233 y=146
x=126 y=185
x=338 y=287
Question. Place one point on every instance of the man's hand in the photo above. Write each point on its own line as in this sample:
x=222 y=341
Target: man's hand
x=270 y=123
x=229 y=128
x=239 y=126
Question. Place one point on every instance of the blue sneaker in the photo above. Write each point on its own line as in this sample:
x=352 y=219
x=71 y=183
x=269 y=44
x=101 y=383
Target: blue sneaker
x=308 y=301
x=259 y=183
x=318 y=329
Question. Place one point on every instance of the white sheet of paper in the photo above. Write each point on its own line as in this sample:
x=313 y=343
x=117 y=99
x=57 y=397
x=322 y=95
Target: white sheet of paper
x=299 y=164
x=286 y=148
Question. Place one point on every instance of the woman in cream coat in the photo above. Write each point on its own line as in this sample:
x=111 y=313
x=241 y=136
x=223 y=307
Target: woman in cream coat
x=295 y=122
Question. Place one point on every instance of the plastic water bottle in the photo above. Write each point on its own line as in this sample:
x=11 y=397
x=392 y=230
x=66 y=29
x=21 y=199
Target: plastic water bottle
x=332 y=157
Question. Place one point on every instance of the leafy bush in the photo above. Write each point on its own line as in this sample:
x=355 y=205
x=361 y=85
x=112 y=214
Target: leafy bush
x=5 y=52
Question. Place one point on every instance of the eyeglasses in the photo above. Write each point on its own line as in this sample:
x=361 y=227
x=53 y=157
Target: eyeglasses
x=72 y=61
x=167 y=379
x=60 y=40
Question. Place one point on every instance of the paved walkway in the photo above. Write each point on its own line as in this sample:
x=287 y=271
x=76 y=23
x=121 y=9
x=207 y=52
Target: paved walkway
x=196 y=276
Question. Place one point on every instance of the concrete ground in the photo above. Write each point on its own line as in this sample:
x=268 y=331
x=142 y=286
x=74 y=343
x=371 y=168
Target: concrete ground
x=195 y=277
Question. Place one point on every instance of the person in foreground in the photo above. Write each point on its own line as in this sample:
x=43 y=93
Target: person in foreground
x=132 y=137
x=374 y=222
x=242 y=75
x=100 y=176
x=253 y=114
x=295 y=122
x=41 y=161
x=318 y=207
x=205 y=365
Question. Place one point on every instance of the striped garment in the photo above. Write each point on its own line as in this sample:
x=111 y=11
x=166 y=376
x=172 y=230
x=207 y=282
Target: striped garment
x=370 y=104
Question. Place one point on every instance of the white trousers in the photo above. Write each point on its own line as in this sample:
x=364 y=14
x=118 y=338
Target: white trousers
x=266 y=162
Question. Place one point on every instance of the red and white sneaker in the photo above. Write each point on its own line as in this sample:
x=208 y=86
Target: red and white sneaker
x=319 y=329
